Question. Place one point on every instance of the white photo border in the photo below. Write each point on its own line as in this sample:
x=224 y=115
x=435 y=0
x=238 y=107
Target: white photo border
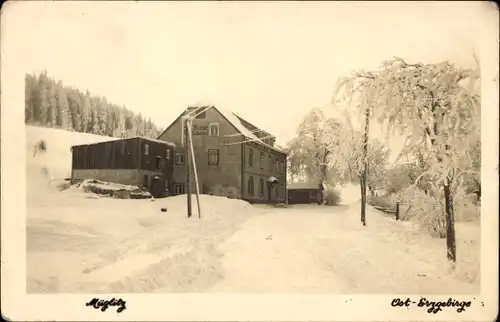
x=16 y=304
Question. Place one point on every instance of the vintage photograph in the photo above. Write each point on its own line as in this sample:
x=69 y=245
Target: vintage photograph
x=252 y=147
x=237 y=151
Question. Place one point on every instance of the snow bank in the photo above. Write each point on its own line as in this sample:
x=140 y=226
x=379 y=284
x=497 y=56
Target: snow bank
x=121 y=191
x=120 y=245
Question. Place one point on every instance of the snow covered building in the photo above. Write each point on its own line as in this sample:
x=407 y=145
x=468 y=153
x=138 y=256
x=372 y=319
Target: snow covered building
x=143 y=162
x=305 y=192
x=234 y=158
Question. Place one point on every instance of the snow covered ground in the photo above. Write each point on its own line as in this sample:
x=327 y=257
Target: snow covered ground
x=79 y=242
x=314 y=249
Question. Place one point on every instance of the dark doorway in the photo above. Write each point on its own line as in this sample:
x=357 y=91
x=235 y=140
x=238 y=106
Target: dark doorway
x=158 y=187
x=270 y=187
x=271 y=184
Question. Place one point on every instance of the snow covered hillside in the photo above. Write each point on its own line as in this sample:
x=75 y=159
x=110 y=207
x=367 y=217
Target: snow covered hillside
x=57 y=158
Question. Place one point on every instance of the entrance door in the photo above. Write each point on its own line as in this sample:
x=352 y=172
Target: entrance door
x=271 y=186
x=158 y=187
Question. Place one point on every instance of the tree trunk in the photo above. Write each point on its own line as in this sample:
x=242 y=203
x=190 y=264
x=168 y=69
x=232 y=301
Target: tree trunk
x=324 y=176
x=478 y=190
x=451 y=246
x=363 y=200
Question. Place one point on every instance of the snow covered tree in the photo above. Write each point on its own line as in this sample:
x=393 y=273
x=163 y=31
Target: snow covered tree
x=308 y=150
x=348 y=159
x=51 y=106
x=85 y=112
x=63 y=117
x=30 y=93
x=41 y=99
x=435 y=105
x=49 y=103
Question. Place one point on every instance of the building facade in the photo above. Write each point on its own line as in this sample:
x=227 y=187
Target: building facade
x=142 y=162
x=233 y=157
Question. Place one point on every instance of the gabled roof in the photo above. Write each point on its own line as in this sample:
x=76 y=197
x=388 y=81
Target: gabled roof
x=234 y=120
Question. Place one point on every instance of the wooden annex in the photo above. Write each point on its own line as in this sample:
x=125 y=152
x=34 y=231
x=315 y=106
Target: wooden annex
x=138 y=161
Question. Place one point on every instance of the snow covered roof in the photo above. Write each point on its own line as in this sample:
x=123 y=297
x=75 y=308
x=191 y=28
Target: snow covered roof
x=124 y=139
x=235 y=121
x=303 y=185
x=156 y=140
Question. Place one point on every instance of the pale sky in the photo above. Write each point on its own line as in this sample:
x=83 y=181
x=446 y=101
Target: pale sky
x=269 y=62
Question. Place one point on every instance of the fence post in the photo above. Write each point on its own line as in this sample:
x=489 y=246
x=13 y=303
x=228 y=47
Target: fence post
x=397 y=210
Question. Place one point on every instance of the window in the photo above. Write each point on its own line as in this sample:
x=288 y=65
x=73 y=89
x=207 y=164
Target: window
x=145 y=181
x=179 y=158
x=213 y=129
x=282 y=167
x=261 y=188
x=250 y=157
x=262 y=160
x=250 y=185
x=146 y=149
x=270 y=161
x=202 y=115
x=167 y=155
x=159 y=163
x=277 y=165
x=166 y=185
x=213 y=156
x=178 y=189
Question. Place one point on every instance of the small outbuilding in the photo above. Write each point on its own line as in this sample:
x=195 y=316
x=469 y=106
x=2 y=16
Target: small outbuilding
x=305 y=192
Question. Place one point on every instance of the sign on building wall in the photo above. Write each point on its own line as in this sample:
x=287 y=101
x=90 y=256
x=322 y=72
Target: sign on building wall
x=200 y=129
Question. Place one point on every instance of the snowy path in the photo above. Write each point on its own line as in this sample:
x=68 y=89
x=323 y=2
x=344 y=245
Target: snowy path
x=311 y=249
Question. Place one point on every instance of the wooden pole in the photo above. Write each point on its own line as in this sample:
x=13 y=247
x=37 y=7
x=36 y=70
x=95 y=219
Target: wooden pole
x=365 y=170
x=188 y=170
x=397 y=210
x=194 y=169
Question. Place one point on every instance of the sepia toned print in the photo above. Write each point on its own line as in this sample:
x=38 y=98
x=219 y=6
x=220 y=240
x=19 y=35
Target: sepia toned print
x=263 y=149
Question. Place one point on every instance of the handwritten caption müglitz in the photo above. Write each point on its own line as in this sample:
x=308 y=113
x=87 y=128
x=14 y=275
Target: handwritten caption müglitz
x=433 y=306
x=105 y=304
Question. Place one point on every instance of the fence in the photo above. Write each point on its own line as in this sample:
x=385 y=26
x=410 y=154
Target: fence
x=397 y=211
